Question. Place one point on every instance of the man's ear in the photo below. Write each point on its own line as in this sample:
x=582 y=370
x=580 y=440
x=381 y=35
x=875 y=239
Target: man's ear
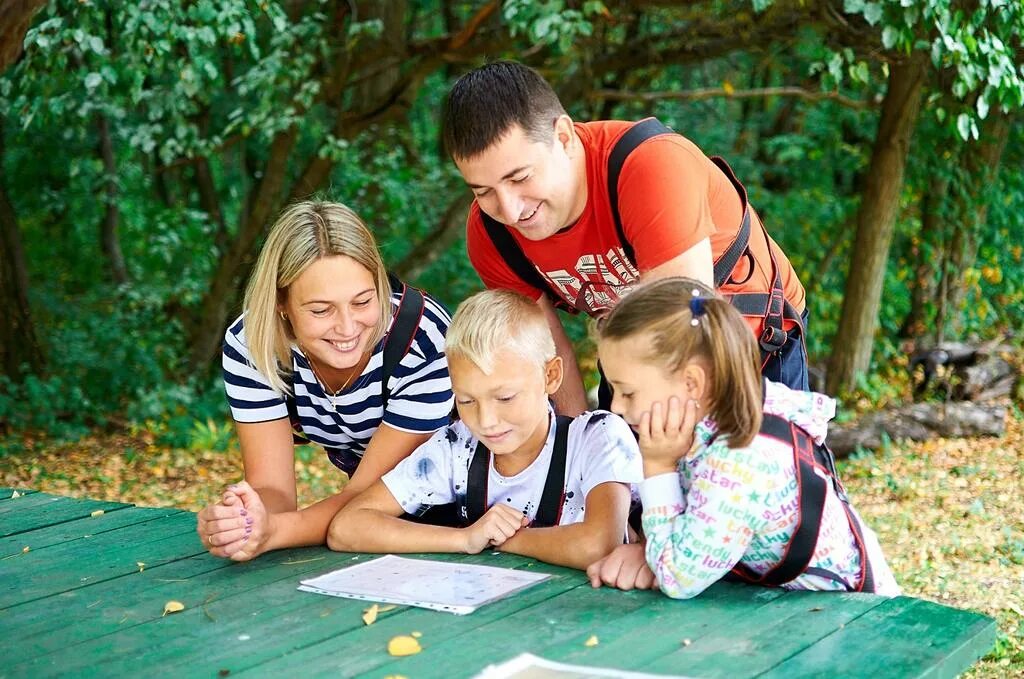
x=565 y=133
x=553 y=373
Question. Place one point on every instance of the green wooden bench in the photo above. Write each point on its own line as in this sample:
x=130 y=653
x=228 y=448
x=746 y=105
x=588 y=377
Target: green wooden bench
x=82 y=593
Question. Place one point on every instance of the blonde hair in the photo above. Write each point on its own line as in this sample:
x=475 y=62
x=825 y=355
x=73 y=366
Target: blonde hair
x=303 y=234
x=720 y=337
x=495 y=320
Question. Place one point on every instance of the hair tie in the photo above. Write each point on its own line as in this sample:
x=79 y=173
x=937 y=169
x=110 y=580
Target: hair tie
x=698 y=307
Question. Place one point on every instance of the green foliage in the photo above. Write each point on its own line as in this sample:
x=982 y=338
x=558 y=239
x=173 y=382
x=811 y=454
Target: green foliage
x=178 y=80
x=550 y=22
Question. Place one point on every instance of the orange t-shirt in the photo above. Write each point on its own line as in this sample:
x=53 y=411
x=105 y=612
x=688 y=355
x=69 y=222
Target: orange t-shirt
x=671 y=196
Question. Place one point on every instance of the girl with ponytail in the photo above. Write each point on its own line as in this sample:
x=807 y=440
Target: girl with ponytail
x=724 y=492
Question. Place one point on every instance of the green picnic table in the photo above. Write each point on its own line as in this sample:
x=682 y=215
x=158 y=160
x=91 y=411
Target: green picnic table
x=83 y=585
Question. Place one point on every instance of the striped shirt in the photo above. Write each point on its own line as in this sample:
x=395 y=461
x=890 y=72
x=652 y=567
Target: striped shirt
x=420 y=397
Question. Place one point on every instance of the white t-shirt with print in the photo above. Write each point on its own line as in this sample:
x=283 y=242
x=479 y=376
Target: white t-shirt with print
x=600 y=448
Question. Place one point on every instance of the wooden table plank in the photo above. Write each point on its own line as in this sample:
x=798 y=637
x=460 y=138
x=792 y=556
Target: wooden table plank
x=68 y=531
x=234 y=632
x=357 y=649
x=771 y=634
x=903 y=637
x=78 y=563
x=91 y=616
x=20 y=504
x=7 y=493
x=231 y=612
x=630 y=641
x=568 y=616
x=24 y=519
x=80 y=528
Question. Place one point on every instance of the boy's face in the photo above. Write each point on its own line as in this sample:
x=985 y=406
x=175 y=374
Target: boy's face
x=508 y=409
x=536 y=188
x=637 y=383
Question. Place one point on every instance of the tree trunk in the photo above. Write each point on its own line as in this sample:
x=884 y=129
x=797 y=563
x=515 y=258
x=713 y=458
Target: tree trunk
x=207 y=329
x=981 y=165
x=15 y=19
x=923 y=285
x=109 y=240
x=20 y=353
x=451 y=225
x=876 y=218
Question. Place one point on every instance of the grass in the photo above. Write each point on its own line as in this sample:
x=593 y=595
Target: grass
x=947 y=511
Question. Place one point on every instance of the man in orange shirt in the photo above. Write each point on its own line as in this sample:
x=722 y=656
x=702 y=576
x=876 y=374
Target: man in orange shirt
x=575 y=214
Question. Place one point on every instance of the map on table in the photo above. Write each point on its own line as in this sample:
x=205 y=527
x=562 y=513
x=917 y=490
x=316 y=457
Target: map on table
x=439 y=585
x=529 y=666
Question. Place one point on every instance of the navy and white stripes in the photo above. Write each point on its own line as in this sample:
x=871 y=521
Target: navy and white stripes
x=420 y=390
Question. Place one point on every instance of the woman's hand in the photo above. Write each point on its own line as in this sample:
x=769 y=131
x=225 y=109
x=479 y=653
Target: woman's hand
x=666 y=435
x=237 y=527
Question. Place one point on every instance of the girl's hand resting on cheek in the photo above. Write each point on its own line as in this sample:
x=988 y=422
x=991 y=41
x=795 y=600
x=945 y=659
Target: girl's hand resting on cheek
x=666 y=434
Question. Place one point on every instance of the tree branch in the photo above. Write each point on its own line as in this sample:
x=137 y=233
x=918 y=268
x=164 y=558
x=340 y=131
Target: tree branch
x=729 y=93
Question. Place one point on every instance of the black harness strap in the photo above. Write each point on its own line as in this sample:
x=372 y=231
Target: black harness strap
x=516 y=259
x=400 y=336
x=396 y=346
x=775 y=305
x=815 y=469
x=552 y=498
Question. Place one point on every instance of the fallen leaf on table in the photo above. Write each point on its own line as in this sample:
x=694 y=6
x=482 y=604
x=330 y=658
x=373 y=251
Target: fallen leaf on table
x=173 y=607
x=98 y=512
x=686 y=642
x=417 y=634
x=141 y=565
x=24 y=550
x=403 y=645
x=592 y=641
x=370 y=614
x=15 y=494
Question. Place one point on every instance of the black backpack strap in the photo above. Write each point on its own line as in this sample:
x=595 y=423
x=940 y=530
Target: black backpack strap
x=400 y=336
x=552 y=499
x=773 y=337
x=738 y=248
x=812 y=489
x=476 y=486
x=811 y=492
x=549 y=513
x=513 y=255
x=627 y=143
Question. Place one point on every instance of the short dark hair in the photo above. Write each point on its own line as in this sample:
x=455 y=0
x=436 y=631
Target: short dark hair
x=484 y=104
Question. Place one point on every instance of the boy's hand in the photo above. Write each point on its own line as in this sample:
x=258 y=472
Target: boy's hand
x=666 y=437
x=625 y=568
x=497 y=525
x=236 y=527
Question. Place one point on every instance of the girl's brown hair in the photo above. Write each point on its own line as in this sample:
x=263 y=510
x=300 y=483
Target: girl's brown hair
x=665 y=310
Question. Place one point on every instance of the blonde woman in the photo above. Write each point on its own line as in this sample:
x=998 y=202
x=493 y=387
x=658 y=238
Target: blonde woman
x=307 y=358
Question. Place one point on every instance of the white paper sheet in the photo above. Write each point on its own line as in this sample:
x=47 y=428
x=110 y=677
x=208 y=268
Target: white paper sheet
x=439 y=585
x=529 y=666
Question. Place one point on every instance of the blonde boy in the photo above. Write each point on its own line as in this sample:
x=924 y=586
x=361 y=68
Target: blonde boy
x=504 y=368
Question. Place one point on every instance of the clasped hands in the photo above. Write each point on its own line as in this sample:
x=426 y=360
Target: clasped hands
x=235 y=528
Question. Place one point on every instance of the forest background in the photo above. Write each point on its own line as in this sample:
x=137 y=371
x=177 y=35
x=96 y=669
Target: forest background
x=146 y=147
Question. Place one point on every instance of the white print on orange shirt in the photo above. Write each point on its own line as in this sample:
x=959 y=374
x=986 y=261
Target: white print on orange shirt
x=597 y=282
